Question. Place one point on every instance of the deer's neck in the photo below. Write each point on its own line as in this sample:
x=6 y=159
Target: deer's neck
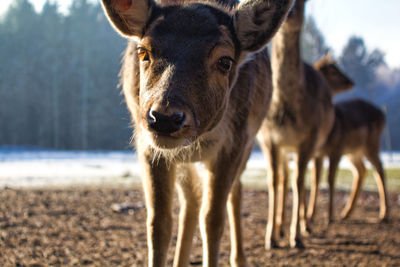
x=287 y=67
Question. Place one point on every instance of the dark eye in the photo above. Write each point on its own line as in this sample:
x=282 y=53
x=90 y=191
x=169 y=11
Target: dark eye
x=332 y=72
x=143 y=54
x=225 y=64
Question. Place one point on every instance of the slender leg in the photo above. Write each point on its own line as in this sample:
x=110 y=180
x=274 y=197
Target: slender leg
x=272 y=154
x=190 y=191
x=158 y=184
x=304 y=229
x=237 y=257
x=359 y=173
x=380 y=181
x=304 y=156
x=214 y=202
x=312 y=203
x=281 y=198
x=333 y=165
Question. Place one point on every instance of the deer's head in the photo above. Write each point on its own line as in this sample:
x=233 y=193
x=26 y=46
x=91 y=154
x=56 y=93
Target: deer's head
x=189 y=57
x=336 y=79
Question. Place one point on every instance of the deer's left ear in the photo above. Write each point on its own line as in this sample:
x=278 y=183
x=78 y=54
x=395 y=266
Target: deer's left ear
x=256 y=21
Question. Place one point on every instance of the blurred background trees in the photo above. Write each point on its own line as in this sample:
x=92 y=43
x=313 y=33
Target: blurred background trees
x=313 y=45
x=59 y=77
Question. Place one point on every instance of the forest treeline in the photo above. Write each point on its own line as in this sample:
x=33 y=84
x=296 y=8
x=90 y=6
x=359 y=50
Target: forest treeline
x=59 y=78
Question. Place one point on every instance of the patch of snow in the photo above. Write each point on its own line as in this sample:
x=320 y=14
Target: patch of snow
x=52 y=168
x=65 y=168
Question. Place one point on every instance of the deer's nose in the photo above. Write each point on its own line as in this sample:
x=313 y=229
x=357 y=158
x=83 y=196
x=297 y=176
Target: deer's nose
x=165 y=123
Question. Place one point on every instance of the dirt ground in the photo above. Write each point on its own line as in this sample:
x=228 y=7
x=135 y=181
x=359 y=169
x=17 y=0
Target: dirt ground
x=79 y=227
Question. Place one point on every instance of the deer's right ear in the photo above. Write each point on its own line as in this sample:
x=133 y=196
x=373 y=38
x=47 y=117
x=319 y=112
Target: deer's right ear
x=256 y=21
x=129 y=17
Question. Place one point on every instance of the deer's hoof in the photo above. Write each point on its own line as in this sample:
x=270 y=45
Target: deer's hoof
x=342 y=218
x=306 y=232
x=271 y=244
x=383 y=220
x=297 y=243
x=238 y=263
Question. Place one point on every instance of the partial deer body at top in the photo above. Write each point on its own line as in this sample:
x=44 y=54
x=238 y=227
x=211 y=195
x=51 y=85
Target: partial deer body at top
x=299 y=120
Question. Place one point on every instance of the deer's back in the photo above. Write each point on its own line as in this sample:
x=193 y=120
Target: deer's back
x=357 y=113
x=358 y=125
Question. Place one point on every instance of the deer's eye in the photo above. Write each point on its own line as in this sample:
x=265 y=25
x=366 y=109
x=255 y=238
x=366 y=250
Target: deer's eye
x=143 y=54
x=225 y=64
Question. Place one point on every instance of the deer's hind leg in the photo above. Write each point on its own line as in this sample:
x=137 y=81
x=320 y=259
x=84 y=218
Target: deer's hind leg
x=359 y=174
x=333 y=166
x=189 y=191
x=379 y=174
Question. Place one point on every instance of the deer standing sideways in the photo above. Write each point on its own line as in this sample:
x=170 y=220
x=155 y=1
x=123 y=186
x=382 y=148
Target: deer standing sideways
x=356 y=134
x=197 y=81
x=299 y=119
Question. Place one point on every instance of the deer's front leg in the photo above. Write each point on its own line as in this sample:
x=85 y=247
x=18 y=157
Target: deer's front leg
x=158 y=184
x=282 y=194
x=272 y=154
x=298 y=209
x=312 y=202
x=237 y=258
x=217 y=185
x=190 y=192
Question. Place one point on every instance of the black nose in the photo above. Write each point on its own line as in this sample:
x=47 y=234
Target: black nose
x=165 y=124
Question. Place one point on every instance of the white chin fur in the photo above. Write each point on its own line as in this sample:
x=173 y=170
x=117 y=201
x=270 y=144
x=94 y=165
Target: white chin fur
x=165 y=142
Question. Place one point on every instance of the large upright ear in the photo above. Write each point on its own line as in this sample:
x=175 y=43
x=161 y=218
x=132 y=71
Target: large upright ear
x=129 y=17
x=256 y=21
x=324 y=61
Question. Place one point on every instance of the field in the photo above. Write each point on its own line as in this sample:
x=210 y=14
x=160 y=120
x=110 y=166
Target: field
x=56 y=209
x=79 y=227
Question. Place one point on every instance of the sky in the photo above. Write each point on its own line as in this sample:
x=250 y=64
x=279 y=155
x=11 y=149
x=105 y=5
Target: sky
x=377 y=22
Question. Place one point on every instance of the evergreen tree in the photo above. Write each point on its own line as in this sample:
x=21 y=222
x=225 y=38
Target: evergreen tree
x=59 y=76
x=361 y=66
x=313 y=45
x=19 y=84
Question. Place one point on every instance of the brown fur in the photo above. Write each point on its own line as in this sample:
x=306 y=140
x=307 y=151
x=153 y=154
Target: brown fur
x=356 y=133
x=299 y=120
x=338 y=82
x=199 y=93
